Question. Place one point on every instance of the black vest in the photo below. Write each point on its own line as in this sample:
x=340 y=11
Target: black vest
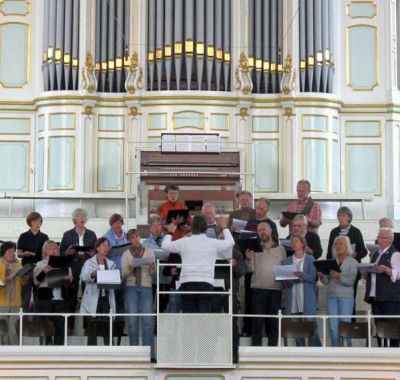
x=386 y=290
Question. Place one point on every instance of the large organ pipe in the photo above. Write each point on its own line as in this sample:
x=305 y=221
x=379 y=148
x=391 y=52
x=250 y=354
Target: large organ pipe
x=250 y=34
x=267 y=44
x=52 y=43
x=75 y=45
x=67 y=54
x=274 y=45
x=97 y=50
x=325 y=45
x=159 y=40
x=168 y=40
x=152 y=42
x=103 y=54
x=200 y=41
x=119 y=44
x=218 y=42
x=310 y=43
x=189 y=40
x=45 y=61
x=258 y=42
x=111 y=44
x=330 y=47
x=178 y=40
x=280 y=44
x=302 y=43
x=210 y=46
x=317 y=44
x=59 y=41
x=227 y=42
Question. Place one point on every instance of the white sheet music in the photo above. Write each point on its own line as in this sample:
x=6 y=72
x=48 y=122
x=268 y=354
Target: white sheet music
x=160 y=254
x=111 y=276
x=367 y=267
x=142 y=261
x=239 y=224
x=285 y=272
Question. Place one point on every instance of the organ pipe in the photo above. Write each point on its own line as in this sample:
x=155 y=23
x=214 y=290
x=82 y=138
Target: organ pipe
x=315 y=44
x=200 y=43
x=194 y=47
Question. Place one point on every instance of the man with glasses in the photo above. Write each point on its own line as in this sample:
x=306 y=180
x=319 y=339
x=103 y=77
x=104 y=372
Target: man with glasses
x=383 y=285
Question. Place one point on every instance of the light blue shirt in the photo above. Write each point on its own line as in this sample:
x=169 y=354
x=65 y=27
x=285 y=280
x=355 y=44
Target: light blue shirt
x=115 y=240
x=150 y=242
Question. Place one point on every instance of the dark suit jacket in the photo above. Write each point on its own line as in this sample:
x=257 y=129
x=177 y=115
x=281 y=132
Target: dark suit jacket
x=355 y=237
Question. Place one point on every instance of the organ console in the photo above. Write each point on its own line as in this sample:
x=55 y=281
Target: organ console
x=190 y=168
x=215 y=178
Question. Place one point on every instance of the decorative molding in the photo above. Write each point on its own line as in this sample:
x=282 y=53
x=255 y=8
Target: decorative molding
x=288 y=83
x=134 y=111
x=243 y=76
x=243 y=112
x=13 y=8
x=89 y=81
x=88 y=111
x=133 y=81
x=288 y=112
x=362 y=57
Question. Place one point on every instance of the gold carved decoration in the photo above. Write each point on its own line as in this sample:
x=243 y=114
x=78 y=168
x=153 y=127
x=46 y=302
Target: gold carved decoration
x=89 y=82
x=88 y=111
x=243 y=76
x=288 y=83
x=288 y=112
x=134 y=111
x=135 y=75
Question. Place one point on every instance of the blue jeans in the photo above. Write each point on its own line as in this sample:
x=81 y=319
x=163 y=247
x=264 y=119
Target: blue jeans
x=174 y=303
x=139 y=299
x=339 y=306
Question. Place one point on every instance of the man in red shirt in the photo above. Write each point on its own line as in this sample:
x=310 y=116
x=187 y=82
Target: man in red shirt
x=306 y=206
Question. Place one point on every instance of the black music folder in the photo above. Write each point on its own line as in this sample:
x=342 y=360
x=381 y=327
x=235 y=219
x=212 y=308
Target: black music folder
x=24 y=270
x=173 y=214
x=82 y=248
x=59 y=261
x=325 y=266
x=56 y=277
x=290 y=215
x=120 y=249
x=251 y=242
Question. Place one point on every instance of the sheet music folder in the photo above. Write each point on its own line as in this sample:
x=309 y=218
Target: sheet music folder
x=290 y=215
x=24 y=270
x=325 y=266
x=82 y=248
x=173 y=214
x=109 y=279
x=250 y=241
x=120 y=249
x=56 y=277
x=59 y=261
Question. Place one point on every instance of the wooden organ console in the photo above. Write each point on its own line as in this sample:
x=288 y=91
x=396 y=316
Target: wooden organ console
x=213 y=175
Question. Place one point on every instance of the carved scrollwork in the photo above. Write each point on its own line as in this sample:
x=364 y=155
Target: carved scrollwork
x=135 y=75
x=243 y=76
x=288 y=83
x=89 y=81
